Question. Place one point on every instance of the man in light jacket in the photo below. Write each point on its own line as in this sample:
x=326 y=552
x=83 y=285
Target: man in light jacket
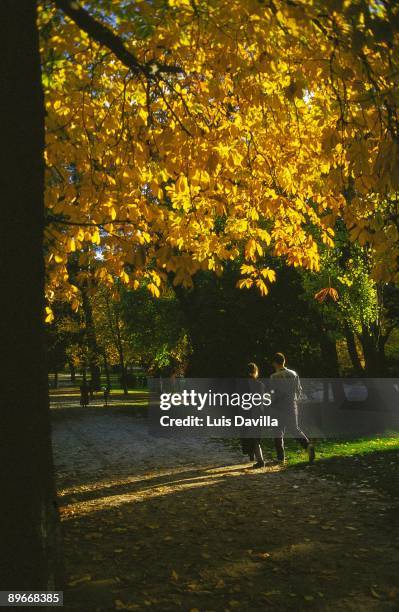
x=287 y=392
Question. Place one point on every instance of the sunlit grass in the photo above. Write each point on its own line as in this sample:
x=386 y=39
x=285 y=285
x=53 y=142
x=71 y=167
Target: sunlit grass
x=329 y=449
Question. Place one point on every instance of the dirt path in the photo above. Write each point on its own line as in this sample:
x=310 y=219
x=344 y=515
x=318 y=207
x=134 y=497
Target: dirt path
x=155 y=524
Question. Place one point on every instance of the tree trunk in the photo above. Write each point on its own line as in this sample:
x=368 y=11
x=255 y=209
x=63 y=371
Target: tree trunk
x=115 y=329
x=329 y=355
x=92 y=345
x=30 y=541
x=381 y=356
x=330 y=366
x=121 y=360
x=123 y=374
x=72 y=371
x=373 y=351
x=352 y=350
x=55 y=380
x=106 y=370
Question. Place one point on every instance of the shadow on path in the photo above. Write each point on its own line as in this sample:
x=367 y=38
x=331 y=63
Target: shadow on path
x=229 y=540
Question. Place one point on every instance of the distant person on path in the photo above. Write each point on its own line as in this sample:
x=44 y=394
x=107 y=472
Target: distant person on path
x=288 y=393
x=84 y=394
x=106 y=392
x=91 y=389
x=252 y=446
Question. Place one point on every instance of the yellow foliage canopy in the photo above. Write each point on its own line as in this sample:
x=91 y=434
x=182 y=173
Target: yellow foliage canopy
x=278 y=120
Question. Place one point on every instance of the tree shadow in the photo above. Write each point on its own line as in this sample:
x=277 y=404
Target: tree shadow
x=134 y=407
x=226 y=538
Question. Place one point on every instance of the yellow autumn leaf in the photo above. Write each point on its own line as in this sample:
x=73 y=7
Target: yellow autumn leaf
x=261 y=285
x=250 y=249
x=95 y=237
x=49 y=315
x=174 y=575
x=247 y=269
x=153 y=289
x=268 y=274
x=181 y=185
x=71 y=245
x=244 y=283
x=124 y=277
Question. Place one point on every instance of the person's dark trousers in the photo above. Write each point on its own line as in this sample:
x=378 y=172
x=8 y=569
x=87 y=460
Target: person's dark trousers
x=291 y=428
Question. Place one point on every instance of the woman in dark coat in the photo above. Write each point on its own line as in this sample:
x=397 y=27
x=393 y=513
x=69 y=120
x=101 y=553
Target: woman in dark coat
x=252 y=446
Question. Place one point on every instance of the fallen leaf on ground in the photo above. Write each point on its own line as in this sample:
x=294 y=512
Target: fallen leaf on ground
x=174 y=575
x=261 y=555
x=375 y=594
x=77 y=581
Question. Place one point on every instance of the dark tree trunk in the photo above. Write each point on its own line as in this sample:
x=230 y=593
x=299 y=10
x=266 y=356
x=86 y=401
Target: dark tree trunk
x=352 y=350
x=124 y=384
x=29 y=520
x=122 y=360
x=72 y=371
x=115 y=328
x=92 y=345
x=330 y=365
x=106 y=370
x=55 y=380
x=373 y=351
x=329 y=355
x=382 y=358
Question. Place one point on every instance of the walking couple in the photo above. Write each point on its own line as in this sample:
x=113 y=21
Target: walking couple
x=287 y=402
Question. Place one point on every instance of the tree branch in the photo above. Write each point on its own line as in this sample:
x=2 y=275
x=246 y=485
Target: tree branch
x=61 y=221
x=104 y=36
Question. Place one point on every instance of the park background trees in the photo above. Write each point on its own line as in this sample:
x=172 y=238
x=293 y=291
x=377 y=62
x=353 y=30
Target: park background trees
x=215 y=328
